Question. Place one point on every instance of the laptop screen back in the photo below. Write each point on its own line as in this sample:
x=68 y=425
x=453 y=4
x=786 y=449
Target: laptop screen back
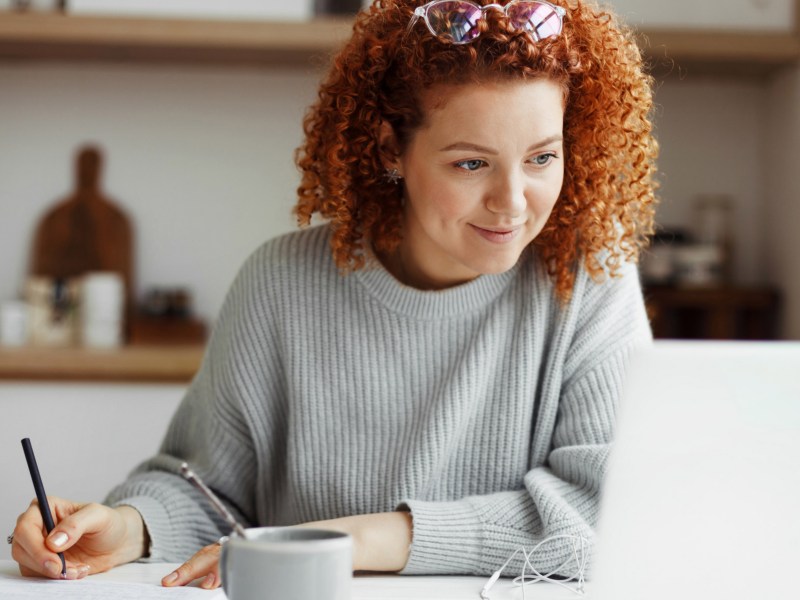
x=702 y=495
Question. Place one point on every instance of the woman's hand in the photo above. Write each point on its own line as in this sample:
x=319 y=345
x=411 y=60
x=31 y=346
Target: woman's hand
x=204 y=563
x=93 y=538
x=381 y=542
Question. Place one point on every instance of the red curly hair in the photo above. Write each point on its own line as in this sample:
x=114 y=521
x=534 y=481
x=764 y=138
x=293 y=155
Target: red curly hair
x=604 y=214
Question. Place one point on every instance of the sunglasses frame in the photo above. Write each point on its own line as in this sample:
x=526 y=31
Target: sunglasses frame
x=421 y=12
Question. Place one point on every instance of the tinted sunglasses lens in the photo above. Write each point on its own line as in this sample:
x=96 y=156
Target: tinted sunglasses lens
x=540 y=20
x=455 y=21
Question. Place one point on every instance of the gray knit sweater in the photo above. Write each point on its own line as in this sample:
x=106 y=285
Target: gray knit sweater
x=486 y=409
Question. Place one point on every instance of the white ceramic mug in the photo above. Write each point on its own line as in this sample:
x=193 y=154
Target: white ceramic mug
x=287 y=563
x=103 y=308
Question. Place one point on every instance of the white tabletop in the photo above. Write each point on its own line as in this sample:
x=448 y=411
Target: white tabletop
x=365 y=587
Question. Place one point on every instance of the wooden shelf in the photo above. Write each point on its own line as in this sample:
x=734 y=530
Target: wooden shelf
x=138 y=364
x=54 y=36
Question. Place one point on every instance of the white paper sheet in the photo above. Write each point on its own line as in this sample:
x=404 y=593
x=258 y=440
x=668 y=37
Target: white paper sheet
x=97 y=590
x=98 y=587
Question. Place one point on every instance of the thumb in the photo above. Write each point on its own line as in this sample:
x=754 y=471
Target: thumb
x=87 y=520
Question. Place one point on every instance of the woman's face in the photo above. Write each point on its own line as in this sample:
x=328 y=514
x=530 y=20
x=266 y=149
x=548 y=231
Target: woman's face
x=481 y=177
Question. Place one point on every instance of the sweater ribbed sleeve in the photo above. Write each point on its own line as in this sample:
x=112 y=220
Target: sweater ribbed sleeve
x=486 y=409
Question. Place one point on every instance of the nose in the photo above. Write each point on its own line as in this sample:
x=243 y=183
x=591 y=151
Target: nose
x=506 y=196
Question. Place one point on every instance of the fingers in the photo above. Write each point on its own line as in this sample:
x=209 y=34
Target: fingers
x=28 y=547
x=29 y=566
x=89 y=519
x=38 y=555
x=203 y=564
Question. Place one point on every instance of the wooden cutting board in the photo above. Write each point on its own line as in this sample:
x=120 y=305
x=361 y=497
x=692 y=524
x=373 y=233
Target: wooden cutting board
x=85 y=231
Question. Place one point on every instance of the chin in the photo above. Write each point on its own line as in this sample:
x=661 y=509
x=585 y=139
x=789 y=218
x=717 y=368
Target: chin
x=497 y=266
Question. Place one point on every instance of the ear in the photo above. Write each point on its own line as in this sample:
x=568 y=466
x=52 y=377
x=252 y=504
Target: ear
x=388 y=147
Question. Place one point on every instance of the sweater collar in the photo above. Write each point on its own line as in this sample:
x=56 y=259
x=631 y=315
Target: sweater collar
x=436 y=304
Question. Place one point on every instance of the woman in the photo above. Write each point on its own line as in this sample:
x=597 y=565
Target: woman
x=436 y=369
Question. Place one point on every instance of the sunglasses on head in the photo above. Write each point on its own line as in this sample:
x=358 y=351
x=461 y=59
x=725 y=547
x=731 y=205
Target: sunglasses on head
x=457 y=22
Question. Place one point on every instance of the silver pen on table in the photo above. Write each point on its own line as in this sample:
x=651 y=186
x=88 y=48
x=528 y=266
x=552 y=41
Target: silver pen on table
x=190 y=476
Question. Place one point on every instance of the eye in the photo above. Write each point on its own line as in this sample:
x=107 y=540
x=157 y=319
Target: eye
x=470 y=165
x=541 y=160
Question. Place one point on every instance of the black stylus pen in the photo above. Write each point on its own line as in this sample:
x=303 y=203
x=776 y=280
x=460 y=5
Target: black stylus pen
x=44 y=507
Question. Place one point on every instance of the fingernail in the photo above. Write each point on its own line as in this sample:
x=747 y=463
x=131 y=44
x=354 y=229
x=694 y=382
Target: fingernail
x=59 y=539
x=53 y=568
x=208 y=582
x=72 y=573
x=170 y=579
x=83 y=570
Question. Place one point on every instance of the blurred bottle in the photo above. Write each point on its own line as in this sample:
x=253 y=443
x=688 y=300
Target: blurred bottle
x=715 y=229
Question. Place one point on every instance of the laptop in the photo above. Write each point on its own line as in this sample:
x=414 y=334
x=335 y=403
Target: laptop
x=702 y=495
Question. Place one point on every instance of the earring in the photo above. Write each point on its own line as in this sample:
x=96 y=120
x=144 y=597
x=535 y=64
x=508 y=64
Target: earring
x=393 y=176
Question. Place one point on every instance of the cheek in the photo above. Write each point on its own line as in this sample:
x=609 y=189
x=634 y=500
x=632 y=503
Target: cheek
x=546 y=203
x=454 y=204
x=437 y=200
x=546 y=199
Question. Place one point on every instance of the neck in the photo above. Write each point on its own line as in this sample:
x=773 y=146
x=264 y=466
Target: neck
x=405 y=269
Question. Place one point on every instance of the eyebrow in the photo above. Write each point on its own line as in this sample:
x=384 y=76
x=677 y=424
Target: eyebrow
x=486 y=150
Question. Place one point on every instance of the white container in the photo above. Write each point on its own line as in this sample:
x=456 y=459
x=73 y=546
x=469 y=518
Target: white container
x=102 y=310
x=14 y=318
x=292 y=10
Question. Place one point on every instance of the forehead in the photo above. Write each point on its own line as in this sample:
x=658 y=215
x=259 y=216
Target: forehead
x=481 y=107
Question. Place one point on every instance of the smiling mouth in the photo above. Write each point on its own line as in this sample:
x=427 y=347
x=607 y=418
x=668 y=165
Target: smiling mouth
x=502 y=230
x=497 y=235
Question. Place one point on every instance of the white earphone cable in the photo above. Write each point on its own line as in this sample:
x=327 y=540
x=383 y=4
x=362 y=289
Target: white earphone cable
x=579 y=555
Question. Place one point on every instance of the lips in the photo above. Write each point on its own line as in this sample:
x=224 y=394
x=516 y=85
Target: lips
x=497 y=235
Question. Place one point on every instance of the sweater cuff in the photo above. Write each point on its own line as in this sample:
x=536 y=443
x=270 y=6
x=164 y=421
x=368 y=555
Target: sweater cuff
x=157 y=524
x=453 y=538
